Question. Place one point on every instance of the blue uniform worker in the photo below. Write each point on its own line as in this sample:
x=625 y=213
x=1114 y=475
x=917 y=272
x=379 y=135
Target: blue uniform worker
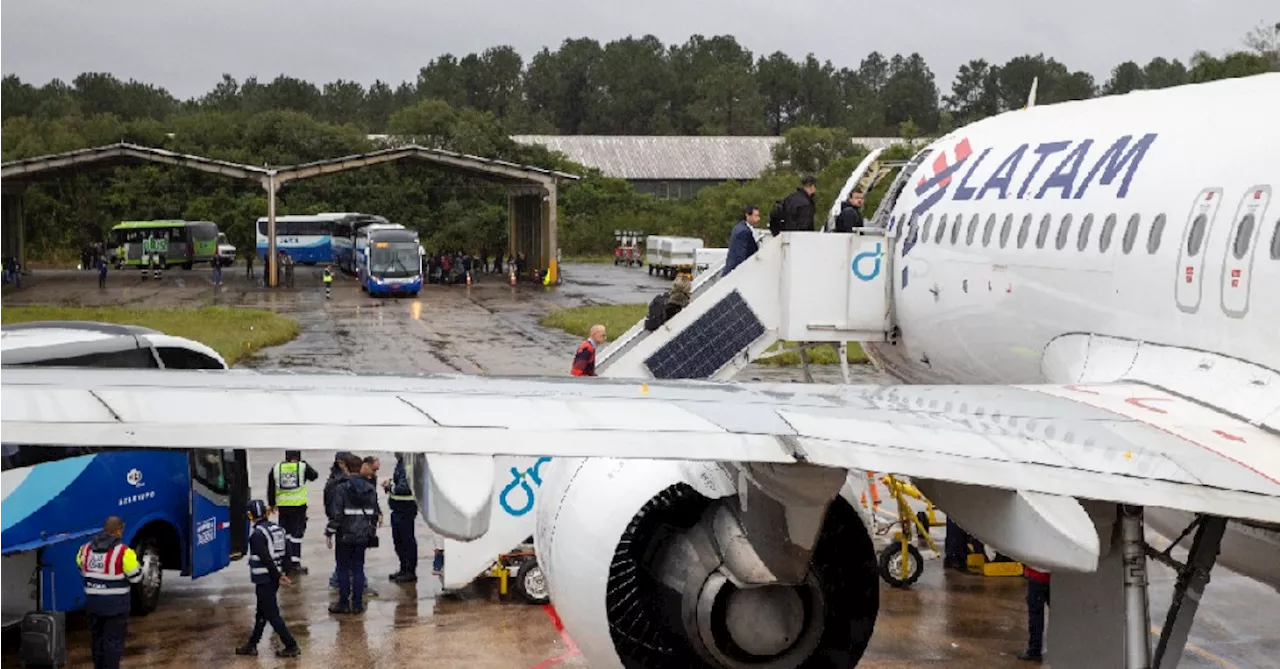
x=108 y=566
x=404 y=510
x=353 y=525
x=266 y=557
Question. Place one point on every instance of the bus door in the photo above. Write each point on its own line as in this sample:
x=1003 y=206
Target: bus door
x=209 y=533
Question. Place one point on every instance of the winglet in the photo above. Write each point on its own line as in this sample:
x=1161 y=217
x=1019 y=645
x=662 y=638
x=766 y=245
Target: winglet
x=1031 y=99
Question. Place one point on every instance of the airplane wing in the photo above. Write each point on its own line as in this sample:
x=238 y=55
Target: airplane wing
x=1125 y=443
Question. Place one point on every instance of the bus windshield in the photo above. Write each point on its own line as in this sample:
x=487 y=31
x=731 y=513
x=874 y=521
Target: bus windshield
x=394 y=259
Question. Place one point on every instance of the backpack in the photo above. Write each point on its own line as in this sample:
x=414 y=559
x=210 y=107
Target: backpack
x=777 y=218
x=657 y=313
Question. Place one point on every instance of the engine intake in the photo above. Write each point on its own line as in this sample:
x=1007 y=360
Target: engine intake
x=671 y=602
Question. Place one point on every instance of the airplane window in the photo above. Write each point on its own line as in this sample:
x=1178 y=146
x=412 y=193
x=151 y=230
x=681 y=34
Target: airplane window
x=1043 y=234
x=913 y=228
x=1275 y=241
x=955 y=230
x=1082 y=240
x=942 y=228
x=1004 y=230
x=1244 y=237
x=1024 y=231
x=988 y=229
x=973 y=228
x=1131 y=233
x=928 y=223
x=1157 y=230
x=1063 y=230
x=1109 y=227
x=1195 y=237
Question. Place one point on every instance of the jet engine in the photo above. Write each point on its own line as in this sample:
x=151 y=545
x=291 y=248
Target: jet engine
x=651 y=564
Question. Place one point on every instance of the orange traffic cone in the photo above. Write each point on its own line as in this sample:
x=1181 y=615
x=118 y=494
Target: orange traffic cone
x=468 y=278
x=511 y=278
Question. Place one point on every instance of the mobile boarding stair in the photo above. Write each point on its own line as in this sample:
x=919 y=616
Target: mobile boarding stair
x=800 y=287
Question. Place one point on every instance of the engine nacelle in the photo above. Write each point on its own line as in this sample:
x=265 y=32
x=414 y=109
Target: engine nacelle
x=641 y=568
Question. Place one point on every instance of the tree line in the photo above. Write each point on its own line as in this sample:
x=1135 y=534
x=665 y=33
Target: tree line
x=707 y=86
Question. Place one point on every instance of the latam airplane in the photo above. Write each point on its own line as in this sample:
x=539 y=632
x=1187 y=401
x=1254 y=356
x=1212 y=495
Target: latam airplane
x=1086 y=310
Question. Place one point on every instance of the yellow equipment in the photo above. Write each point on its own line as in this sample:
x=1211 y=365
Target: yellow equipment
x=901 y=563
x=519 y=571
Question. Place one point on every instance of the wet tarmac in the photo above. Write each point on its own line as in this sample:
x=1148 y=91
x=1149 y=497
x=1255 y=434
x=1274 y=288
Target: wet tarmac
x=947 y=619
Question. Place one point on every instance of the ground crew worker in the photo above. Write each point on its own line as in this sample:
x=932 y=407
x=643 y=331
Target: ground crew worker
x=328 y=283
x=266 y=554
x=108 y=566
x=287 y=492
x=404 y=509
x=584 y=361
x=353 y=523
x=1037 y=600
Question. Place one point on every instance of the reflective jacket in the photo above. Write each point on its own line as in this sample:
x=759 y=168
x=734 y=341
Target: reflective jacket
x=401 y=482
x=353 y=516
x=266 y=552
x=108 y=566
x=287 y=484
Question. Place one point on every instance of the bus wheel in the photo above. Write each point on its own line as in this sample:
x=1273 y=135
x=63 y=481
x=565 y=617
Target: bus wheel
x=146 y=595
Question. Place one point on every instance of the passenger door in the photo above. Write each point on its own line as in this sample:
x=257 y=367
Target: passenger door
x=1195 y=235
x=1237 y=261
x=209 y=533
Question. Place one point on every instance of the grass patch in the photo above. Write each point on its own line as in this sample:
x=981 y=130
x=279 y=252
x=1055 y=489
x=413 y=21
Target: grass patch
x=819 y=355
x=619 y=318
x=597 y=260
x=235 y=333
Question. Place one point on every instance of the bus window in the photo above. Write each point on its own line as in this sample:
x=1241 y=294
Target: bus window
x=16 y=456
x=133 y=358
x=175 y=357
x=207 y=468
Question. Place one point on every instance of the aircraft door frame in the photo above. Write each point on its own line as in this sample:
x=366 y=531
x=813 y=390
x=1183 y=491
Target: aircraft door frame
x=1189 y=280
x=1238 y=272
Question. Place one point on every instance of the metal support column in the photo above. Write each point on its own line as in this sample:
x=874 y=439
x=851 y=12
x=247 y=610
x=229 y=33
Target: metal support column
x=270 y=185
x=1137 y=619
x=1186 y=594
x=550 y=234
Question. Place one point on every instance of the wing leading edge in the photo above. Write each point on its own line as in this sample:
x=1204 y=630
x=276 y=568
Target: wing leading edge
x=1125 y=443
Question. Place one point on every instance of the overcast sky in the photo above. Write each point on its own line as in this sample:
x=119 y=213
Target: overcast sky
x=186 y=45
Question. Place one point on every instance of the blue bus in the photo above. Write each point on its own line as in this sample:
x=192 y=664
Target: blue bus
x=183 y=510
x=346 y=231
x=313 y=238
x=390 y=260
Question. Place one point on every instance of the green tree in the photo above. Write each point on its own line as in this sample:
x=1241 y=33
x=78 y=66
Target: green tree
x=778 y=80
x=975 y=93
x=1163 y=73
x=1127 y=76
x=910 y=93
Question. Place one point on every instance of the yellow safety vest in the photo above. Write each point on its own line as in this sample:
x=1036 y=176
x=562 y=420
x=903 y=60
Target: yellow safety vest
x=328 y=278
x=408 y=475
x=291 y=484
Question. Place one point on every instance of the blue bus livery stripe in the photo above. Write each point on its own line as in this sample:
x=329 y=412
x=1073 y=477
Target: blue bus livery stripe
x=43 y=483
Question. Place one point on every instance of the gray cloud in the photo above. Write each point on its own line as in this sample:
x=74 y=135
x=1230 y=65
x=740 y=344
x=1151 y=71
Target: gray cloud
x=186 y=46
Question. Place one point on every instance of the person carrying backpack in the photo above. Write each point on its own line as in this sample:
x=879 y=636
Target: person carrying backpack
x=795 y=212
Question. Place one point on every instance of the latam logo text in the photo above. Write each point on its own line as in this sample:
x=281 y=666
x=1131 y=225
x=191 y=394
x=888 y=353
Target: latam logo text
x=1077 y=166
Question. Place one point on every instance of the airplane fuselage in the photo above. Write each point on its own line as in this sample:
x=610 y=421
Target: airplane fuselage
x=1057 y=245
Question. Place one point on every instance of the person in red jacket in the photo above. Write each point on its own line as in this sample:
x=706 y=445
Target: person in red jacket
x=1037 y=600
x=584 y=361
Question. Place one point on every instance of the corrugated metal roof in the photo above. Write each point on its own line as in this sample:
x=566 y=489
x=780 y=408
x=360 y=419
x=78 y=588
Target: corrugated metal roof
x=662 y=157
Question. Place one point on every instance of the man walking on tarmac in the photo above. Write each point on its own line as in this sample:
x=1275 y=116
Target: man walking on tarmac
x=266 y=553
x=328 y=283
x=287 y=491
x=108 y=566
x=403 y=512
x=584 y=361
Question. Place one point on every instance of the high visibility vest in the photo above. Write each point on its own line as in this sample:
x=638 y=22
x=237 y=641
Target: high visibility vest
x=107 y=575
x=291 y=484
x=259 y=572
x=328 y=278
x=408 y=475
